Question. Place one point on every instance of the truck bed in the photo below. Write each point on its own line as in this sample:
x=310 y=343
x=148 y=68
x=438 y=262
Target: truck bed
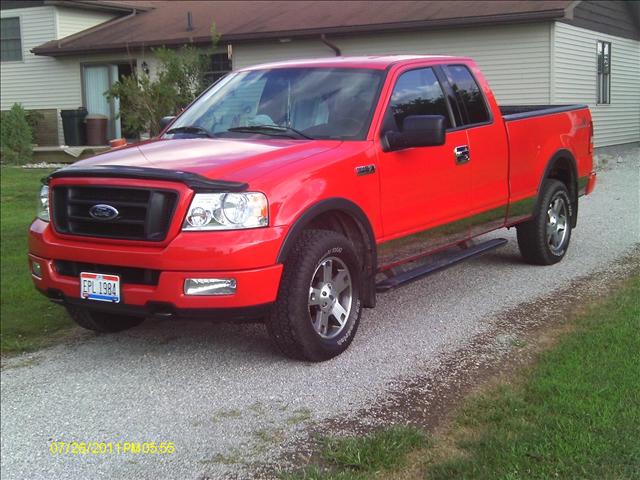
x=538 y=133
x=517 y=112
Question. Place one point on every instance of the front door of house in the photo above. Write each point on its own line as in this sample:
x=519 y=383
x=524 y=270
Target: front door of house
x=96 y=81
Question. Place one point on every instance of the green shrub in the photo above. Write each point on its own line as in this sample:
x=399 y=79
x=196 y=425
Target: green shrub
x=34 y=117
x=15 y=136
x=180 y=78
x=144 y=100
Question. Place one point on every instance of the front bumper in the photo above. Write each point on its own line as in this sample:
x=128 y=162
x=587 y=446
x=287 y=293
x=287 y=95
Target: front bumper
x=247 y=256
x=255 y=288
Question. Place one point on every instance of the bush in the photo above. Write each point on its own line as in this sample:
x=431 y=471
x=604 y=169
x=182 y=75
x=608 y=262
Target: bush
x=15 y=136
x=145 y=100
x=34 y=117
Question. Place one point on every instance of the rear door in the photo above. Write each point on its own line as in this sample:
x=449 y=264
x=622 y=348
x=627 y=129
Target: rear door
x=488 y=148
x=425 y=191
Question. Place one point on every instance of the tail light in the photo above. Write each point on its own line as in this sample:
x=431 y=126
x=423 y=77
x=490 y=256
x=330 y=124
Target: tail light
x=591 y=136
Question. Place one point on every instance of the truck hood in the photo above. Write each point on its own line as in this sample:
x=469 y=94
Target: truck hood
x=220 y=159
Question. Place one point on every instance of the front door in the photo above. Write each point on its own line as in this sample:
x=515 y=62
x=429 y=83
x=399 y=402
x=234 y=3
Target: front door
x=426 y=191
x=97 y=79
x=96 y=82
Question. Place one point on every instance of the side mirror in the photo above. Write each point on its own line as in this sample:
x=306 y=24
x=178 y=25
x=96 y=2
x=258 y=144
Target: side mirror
x=165 y=121
x=417 y=131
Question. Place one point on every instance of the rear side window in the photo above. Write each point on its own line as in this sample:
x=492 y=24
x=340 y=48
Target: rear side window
x=468 y=94
x=417 y=92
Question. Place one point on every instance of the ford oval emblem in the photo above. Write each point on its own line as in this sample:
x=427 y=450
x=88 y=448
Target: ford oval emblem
x=103 y=212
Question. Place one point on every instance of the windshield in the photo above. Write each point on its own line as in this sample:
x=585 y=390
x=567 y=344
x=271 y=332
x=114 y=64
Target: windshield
x=319 y=103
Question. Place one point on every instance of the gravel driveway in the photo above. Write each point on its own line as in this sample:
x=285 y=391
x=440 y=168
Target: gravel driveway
x=226 y=398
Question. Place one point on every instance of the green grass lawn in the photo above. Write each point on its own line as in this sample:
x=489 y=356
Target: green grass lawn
x=574 y=414
x=27 y=319
x=360 y=458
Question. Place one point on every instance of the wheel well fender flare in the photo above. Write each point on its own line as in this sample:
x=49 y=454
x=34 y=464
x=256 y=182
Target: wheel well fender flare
x=573 y=187
x=327 y=205
x=349 y=208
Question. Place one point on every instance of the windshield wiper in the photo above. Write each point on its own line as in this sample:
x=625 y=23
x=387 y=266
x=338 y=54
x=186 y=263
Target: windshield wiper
x=195 y=129
x=270 y=130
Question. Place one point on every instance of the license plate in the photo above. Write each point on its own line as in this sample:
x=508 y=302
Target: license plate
x=99 y=286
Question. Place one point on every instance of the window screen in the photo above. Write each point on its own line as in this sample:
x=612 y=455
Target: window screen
x=604 y=72
x=417 y=92
x=10 y=46
x=218 y=65
x=468 y=93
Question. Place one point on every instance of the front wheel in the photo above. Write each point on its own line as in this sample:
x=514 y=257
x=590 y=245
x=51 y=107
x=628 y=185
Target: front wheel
x=318 y=308
x=544 y=239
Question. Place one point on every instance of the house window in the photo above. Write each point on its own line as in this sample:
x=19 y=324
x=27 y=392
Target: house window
x=219 y=65
x=11 y=45
x=604 y=72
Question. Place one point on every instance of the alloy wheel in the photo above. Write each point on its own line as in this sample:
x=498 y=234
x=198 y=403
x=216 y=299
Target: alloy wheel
x=330 y=297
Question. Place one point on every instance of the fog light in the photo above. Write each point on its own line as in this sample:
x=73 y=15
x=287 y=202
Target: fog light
x=36 y=269
x=210 y=286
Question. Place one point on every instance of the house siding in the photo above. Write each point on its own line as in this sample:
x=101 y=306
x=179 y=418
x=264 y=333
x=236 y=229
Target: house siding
x=515 y=59
x=39 y=82
x=29 y=81
x=574 y=81
x=72 y=20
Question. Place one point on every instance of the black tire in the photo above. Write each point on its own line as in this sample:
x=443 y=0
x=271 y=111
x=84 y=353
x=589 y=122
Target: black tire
x=535 y=245
x=101 y=321
x=290 y=323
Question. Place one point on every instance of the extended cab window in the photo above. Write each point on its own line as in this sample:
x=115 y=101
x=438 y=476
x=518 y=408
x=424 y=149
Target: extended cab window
x=468 y=93
x=417 y=92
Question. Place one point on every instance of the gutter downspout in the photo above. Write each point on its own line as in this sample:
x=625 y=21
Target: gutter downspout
x=331 y=45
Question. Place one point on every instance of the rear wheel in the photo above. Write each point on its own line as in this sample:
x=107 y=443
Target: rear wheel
x=101 y=321
x=544 y=239
x=318 y=308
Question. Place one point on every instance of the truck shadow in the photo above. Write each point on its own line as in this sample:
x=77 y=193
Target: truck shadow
x=236 y=343
x=217 y=341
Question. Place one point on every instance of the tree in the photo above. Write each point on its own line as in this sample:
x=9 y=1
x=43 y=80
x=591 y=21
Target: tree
x=15 y=136
x=145 y=100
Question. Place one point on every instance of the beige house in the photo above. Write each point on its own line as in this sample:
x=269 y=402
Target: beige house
x=45 y=83
x=532 y=52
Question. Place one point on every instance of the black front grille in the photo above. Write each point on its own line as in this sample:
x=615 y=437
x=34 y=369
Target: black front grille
x=140 y=276
x=143 y=213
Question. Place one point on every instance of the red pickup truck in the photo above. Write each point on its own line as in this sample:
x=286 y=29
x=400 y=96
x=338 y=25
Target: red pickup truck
x=296 y=191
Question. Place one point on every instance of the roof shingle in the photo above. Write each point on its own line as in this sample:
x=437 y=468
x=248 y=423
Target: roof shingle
x=166 y=22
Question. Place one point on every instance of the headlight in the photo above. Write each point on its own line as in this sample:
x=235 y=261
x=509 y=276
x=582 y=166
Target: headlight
x=43 y=203
x=227 y=211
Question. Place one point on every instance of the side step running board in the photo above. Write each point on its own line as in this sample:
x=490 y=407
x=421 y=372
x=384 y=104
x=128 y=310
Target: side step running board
x=446 y=262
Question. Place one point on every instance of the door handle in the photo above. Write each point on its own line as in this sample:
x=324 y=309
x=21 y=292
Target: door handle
x=462 y=154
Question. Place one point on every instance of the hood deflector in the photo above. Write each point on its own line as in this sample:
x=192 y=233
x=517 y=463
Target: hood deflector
x=194 y=181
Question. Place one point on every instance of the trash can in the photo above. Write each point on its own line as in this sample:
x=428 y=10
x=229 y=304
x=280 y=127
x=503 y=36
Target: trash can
x=97 y=129
x=73 y=126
